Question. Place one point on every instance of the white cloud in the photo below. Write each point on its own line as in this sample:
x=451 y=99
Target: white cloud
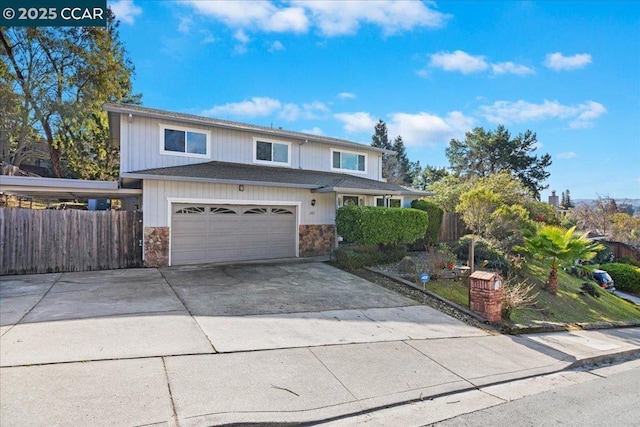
x=265 y=106
x=356 y=122
x=346 y=95
x=276 y=46
x=511 y=68
x=256 y=15
x=428 y=130
x=255 y=107
x=184 y=26
x=331 y=18
x=242 y=37
x=589 y=111
x=314 y=131
x=458 y=61
x=557 y=61
x=566 y=155
x=311 y=111
x=125 y=10
x=337 y=17
x=580 y=116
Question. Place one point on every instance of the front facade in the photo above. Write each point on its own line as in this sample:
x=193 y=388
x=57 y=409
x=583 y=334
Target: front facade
x=218 y=191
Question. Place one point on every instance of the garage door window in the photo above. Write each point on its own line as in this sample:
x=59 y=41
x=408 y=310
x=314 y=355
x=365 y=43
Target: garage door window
x=191 y=210
x=223 y=211
x=256 y=211
x=280 y=211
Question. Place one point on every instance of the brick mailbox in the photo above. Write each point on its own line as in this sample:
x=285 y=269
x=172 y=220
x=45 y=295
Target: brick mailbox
x=485 y=295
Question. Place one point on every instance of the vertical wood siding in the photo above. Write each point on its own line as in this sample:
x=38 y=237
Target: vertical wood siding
x=156 y=205
x=45 y=241
x=140 y=148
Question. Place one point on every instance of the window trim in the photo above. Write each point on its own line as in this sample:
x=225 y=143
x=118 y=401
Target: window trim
x=376 y=198
x=333 y=150
x=207 y=134
x=271 y=162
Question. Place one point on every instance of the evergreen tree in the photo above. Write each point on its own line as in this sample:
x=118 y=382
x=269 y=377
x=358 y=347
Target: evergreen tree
x=483 y=153
x=380 y=138
x=566 y=202
x=402 y=173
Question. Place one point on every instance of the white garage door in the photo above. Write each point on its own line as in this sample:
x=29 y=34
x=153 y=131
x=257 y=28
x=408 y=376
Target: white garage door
x=220 y=233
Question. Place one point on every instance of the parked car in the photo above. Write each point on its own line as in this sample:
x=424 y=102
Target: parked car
x=603 y=279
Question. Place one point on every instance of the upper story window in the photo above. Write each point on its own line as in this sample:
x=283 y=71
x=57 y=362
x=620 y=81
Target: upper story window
x=272 y=152
x=344 y=160
x=184 y=142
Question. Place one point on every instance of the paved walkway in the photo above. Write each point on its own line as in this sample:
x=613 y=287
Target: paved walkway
x=153 y=347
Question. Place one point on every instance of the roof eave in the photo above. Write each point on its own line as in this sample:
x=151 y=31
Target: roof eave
x=351 y=190
x=217 y=180
x=204 y=121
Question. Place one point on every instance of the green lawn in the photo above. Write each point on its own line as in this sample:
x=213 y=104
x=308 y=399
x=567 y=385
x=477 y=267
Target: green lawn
x=569 y=306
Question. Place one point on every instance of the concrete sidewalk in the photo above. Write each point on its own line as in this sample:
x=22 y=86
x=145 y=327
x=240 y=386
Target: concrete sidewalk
x=299 y=385
x=155 y=361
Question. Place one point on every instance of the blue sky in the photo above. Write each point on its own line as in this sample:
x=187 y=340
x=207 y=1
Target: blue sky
x=569 y=71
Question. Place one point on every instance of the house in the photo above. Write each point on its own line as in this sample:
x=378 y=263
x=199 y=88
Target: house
x=217 y=191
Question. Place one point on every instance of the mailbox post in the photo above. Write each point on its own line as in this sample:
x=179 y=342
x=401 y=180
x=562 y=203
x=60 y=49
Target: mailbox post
x=485 y=295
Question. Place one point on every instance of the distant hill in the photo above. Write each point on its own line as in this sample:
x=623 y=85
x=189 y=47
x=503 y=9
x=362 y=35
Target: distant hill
x=633 y=202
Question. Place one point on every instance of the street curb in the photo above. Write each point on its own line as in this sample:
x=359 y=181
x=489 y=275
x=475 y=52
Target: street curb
x=604 y=358
x=264 y=419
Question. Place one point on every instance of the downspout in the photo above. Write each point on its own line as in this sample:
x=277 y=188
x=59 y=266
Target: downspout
x=300 y=153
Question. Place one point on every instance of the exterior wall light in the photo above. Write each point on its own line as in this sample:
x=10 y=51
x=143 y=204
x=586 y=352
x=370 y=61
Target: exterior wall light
x=313 y=202
x=241 y=187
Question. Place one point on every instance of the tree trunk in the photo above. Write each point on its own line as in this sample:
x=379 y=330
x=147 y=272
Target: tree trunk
x=552 y=283
x=54 y=152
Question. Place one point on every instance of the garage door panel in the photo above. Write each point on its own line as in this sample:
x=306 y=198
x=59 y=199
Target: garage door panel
x=203 y=233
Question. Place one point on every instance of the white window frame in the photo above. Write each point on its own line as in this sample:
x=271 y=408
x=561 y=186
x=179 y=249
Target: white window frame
x=333 y=150
x=375 y=201
x=207 y=134
x=271 y=162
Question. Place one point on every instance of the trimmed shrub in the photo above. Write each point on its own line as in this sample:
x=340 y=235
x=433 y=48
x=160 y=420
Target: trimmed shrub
x=625 y=277
x=353 y=259
x=434 y=214
x=368 y=225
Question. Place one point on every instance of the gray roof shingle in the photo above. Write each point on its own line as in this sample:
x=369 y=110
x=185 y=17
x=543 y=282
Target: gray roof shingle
x=237 y=173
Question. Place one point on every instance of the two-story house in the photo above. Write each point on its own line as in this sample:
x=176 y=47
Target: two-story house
x=215 y=190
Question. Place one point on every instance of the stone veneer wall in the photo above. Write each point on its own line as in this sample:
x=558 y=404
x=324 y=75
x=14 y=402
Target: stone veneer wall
x=156 y=246
x=317 y=239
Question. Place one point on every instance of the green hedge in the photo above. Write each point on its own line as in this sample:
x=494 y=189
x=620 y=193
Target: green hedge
x=434 y=214
x=368 y=225
x=625 y=277
x=353 y=259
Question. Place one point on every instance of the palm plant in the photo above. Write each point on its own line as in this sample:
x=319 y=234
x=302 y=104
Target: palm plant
x=560 y=246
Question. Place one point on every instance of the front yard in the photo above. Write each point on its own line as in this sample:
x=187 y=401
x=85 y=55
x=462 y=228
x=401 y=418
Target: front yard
x=571 y=306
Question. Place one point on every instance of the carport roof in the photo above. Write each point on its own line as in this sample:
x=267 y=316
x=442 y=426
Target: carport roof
x=237 y=173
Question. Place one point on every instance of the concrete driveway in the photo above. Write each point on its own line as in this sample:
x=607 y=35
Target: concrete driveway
x=141 y=347
x=102 y=315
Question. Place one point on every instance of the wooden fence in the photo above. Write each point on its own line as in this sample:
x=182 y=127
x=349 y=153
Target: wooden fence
x=622 y=250
x=452 y=228
x=46 y=241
